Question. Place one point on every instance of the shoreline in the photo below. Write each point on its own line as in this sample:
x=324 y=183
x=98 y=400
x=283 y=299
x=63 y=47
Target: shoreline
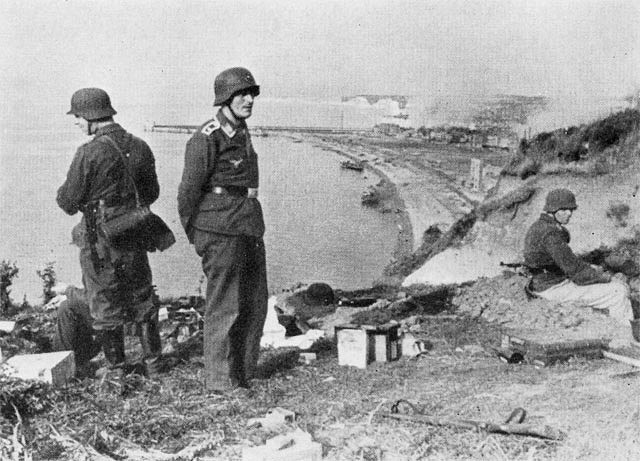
x=404 y=245
x=404 y=241
x=421 y=195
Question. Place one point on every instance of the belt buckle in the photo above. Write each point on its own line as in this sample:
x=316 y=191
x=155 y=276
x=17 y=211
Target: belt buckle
x=252 y=192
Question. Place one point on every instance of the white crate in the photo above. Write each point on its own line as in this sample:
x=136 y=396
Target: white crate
x=55 y=368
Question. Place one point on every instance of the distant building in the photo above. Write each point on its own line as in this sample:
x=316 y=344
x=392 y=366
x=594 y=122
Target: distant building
x=477 y=140
x=491 y=141
x=387 y=129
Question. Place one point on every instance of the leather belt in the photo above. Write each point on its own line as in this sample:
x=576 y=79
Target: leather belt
x=249 y=192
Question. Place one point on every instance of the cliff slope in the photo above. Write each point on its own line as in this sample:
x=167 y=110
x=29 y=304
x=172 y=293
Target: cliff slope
x=605 y=180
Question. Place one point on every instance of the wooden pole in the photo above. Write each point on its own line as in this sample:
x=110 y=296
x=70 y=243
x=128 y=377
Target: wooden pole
x=621 y=358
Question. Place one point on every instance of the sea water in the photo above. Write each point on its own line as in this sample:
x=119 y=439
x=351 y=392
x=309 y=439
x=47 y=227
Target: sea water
x=317 y=229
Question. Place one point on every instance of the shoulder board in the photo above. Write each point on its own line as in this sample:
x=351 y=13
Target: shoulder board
x=210 y=127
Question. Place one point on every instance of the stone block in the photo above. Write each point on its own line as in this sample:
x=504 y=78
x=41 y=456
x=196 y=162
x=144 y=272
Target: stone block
x=7 y=326
x=55 y=368
x=163 y=314
x=352 y=347
x=295 y=446
x=308 y=357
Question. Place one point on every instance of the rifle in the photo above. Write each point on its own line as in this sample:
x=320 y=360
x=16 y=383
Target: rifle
x=512 y=265
x=90 y=211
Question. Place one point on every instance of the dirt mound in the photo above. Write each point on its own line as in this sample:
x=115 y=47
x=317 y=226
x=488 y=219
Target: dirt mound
x=503 y=300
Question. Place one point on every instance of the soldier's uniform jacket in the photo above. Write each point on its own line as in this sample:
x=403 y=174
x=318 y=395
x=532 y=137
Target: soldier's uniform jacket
x=550 y=259
x=97 y=173
x=220 y=155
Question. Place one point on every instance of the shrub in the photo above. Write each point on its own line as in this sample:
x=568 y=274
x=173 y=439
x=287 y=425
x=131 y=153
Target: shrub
x=604 y=144
x=613 y=128
x=8 y=271
x=529 y=167
x=407 y=264
x=48 y=276
x=618 y=212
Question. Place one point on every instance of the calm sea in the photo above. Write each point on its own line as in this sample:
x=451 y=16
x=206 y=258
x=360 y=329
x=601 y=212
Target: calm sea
x=317 y=229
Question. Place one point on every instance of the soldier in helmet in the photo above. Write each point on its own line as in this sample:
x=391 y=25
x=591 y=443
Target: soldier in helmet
x=220 y=212
x=559 y=275
x=117 y=280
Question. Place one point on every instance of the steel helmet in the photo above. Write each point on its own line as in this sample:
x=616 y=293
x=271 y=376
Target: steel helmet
x=230 y=81
x=560 y=199
x=319 y=294
x=91 y=104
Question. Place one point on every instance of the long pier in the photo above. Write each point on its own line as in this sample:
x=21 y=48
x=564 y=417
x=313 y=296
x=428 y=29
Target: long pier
x=259 y=129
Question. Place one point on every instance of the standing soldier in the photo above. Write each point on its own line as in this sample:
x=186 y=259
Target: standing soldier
x=99 y=184
x=220 y=212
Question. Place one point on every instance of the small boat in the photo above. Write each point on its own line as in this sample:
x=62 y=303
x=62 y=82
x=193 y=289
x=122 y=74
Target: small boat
x=351 y=165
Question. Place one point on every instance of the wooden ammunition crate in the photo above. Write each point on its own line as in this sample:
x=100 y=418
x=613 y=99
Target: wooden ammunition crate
x=359 y=345
x=543 y=348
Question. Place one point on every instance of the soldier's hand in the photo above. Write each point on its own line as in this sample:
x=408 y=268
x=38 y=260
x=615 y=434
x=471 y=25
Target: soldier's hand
x=59 y=288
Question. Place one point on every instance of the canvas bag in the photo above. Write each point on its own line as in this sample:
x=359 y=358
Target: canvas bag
x=138 y=227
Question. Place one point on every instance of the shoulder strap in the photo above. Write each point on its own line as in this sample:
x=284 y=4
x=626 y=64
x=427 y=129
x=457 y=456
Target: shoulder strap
x=113 y=144
x=211 y=126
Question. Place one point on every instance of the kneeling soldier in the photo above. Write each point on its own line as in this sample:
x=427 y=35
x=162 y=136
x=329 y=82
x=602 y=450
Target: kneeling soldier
x=560 y=276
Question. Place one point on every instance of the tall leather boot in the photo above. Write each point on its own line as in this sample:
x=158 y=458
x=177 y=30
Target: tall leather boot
x=151 y=346
x=113 y=347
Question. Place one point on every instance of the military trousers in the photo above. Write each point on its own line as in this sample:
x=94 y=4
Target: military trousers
x=74 y=327
x=236 y=306
x=119 y=286
x=612 y=297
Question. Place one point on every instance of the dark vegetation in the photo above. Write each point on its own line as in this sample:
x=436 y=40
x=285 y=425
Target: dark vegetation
x=8 y=271
x=619 y=213
x=433 y=242
x=426 y=301
x=408 y=264
x=585 y=143
x=48 y=277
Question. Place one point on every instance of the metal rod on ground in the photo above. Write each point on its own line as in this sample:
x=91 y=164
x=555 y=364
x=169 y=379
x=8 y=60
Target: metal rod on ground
x=544 y=432
x=621 y=358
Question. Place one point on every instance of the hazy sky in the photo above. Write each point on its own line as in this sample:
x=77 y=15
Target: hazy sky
x=168 y=52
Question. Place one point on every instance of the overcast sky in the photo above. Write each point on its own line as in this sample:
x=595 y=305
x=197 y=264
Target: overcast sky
x=168 y=52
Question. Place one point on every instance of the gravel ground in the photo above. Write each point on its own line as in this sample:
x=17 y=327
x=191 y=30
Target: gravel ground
x=502 y=300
